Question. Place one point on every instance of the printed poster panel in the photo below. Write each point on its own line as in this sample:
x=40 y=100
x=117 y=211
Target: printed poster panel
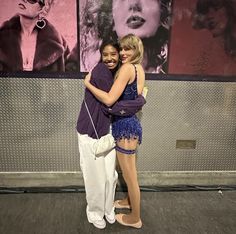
x=101 y=20
x=38 y=36
x=203 y=38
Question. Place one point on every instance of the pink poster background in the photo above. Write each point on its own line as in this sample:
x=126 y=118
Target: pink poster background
x=63 y=16
x=46 y=50
x=195 y=52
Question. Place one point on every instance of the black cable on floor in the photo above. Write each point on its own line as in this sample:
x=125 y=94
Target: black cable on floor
x=81 y=189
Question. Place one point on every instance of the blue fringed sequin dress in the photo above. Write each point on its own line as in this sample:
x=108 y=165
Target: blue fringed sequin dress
x=128 y=126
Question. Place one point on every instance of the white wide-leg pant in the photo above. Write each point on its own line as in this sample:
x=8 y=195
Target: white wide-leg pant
x=100 y=178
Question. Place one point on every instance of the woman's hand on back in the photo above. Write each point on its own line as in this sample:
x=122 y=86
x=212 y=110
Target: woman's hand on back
x=87 y=79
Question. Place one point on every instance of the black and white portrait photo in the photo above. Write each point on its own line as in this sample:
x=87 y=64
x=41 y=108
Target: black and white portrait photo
x=101 y=20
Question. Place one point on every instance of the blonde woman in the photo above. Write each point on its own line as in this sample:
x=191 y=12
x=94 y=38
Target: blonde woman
x=127 y=131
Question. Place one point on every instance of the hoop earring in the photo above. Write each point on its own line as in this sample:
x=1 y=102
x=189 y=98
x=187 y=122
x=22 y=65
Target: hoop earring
x=41 y=23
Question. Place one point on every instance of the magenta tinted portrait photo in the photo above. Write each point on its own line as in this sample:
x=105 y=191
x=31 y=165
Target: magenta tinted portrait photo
x=38 y=35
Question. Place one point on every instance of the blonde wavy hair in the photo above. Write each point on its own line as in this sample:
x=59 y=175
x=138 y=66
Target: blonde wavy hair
x=133 y=42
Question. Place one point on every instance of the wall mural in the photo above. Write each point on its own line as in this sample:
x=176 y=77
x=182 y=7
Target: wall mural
x=111 y=19
x=191 y=38
x=37 y=35
x=203 y=38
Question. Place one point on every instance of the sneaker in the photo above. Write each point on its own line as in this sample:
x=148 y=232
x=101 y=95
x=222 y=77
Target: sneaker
x=101 y=224
x=111 y=217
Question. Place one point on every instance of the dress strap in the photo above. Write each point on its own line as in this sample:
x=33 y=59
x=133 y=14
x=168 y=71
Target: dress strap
x=135 y=72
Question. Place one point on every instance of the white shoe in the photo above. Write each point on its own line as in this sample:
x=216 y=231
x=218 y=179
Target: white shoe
x=101 y=224
x=111 y=217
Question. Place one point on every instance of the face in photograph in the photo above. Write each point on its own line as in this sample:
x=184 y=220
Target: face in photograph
x=214 y=16
x=216 y=21
x=147 y=19
x=140 y=17
x=29 y=8
x=203 y=39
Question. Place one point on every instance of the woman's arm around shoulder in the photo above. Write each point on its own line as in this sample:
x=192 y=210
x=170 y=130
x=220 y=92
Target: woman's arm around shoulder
x=125 y=73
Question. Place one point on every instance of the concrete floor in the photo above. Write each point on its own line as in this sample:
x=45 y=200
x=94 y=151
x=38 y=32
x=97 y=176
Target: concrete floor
x=184 y=212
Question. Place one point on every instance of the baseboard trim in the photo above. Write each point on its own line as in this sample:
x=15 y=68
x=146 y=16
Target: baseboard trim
x=164 y=178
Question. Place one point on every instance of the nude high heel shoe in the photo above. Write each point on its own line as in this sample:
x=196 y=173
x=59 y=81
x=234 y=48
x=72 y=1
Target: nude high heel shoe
x=119 y=219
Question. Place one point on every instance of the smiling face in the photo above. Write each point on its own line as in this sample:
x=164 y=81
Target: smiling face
x=140 y=17
x=110 y=57
x=29 y=9
x=126 y=54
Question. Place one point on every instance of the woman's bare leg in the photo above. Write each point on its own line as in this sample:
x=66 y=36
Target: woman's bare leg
x=128 y=167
